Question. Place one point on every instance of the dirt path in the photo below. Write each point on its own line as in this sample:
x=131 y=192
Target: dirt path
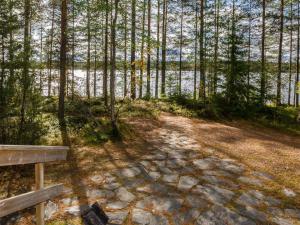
x=178 y=171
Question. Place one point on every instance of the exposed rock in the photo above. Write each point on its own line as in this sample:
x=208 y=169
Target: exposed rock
x=124 y=195
x=116 y=205
x=187 y=182
x=73 y=210
x=252 y=213
x=218 y=215
x=281 y=221
x=141 y=217
x=294 y=213
x=203 y=164
x=248 y=200
x=196 y=201
x=97 y=179
x=130 y=172
x=50 y=209
x=154 y=175
x=117 y=217
x=215 y=194
x=170 y=178
x=288 y=192
x=251 y=181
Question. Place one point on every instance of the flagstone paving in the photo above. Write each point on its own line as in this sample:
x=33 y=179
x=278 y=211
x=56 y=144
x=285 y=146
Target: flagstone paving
x=175 y=184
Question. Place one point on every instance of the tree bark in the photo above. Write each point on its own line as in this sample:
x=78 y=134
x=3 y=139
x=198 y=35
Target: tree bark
x=263 y=77
x=291 y=54
x=148 y=95
x=133 y=72
x=180 y=50
x=26 y=56
x=157 y=49
x=105 y=66
x=196 y=53
x=163 y=52
x=142 y=52
x=51 y=49
x=278 y=97
x=88 y=64
x=63 y=61
x=202 y=94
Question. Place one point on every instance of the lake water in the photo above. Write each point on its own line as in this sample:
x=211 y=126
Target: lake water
x=171 y=82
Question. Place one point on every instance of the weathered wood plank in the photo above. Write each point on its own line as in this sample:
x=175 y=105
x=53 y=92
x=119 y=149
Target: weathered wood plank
x=39 y=184
x=20 y=202
x=26 y=154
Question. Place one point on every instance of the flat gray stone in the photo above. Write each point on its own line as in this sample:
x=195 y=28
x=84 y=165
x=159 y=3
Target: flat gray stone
x=203 y=164
x=218 y=173
x=111 y=186
x=187 y=182
x=117 y=217
x=73 y=210
x=97 y=179
x=153 y=188
x=170 y=178
x=98 y=193
x=215 y=194
x=186 y=217
x=195 y=201
x=124 y=195
x=248 y=200
x=116 y=205
x=50 y=209
x=230 y=167
x=142 y=217
x=219 y=215
x=154 y=175
x=294 y=213
x=263 y=175
x=253 y=213
x=251 y=181
x=289 y=192
x=130 y=172
x=160 y=204
x=69 y=201
x=281 y=221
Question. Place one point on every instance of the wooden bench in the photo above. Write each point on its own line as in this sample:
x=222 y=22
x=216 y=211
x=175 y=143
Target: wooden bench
x=31 y=154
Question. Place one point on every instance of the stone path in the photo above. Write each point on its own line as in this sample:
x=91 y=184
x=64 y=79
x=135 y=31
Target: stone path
x=176 y=183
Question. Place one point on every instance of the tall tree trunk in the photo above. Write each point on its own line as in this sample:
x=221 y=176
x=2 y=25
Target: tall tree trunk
x=249 y=51
x=202 y=94
x=157 y=49
x=263 y=76
x=95 y=67
x=216 y=47
x=73 y=49
x=105 y=66
x=2 y=72
x=113 y=67
x=149 y=50
x=196 y=53
x=26 y=56
x=142 y=52
x=278 y=97
x=41 y=56
x=291 y=54
x=164 y=48
x=133 y=47
x=297 y=84
x=180 y=50
x=125 y=52
x=88 y=63
x=63 y=61
x=51 y=49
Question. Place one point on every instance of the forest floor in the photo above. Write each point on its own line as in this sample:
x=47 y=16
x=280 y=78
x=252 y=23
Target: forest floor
x=177 y=170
